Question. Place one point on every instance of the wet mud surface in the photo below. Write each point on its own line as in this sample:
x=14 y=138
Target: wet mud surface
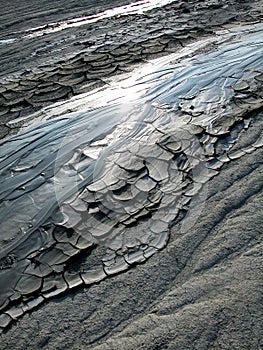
x=159 y=176
x=39 y=67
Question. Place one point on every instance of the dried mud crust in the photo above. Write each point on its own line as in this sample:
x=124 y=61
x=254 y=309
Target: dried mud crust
x=148 y=179
x=201 y=292
x=54 y=67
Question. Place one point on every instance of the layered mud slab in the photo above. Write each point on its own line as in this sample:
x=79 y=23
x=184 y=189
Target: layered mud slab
x=167 y=156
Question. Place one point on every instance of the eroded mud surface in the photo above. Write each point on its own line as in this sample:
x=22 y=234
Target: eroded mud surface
x=90 y=194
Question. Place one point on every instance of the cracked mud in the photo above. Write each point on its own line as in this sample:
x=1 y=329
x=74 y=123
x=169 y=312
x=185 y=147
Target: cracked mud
x=90 y=194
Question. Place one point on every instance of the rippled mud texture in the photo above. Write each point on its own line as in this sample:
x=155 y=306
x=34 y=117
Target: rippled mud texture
x=88 y=196
x=39 y=67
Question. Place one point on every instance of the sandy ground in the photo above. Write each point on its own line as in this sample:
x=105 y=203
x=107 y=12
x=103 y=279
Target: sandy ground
x=203 y=291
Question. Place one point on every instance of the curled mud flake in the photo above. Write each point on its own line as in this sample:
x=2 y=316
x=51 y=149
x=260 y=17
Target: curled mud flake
x=171 y=145
x=83 y=243
x=5 y=320
x=224 y=158
x=160 y=241
x=93 y=275
x=61 y=234
x=236 y=154
x=135 y=257
x=259 y=142
x=195 y=189
x=66 y=209
x=15 y=296
x=169 y=187
x=154 y=198
x=123 y=193
x=117 y=186
x=97 y=186
x=142 y=214
x=241 y=86
x=158 y=169
x=158 y=226
x=148 y=252
x=99 y=226
x=249 y=149
x=130 y=221
x=15 y=311
x=119 y=264
x=52 y=257
x=53 y=285
x=130 y=162
x=28 y=284
x=259 y=77
x=145 y=184
x=38 y=269
x=72 y=279
x=31 y=304
x=67 y=249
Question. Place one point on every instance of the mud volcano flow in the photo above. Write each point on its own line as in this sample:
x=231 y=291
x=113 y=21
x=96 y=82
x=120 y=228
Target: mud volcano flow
x=89 y=195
